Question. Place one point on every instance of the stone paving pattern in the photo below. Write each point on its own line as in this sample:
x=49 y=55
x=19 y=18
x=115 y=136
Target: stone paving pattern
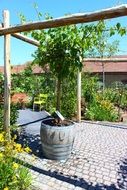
x=98 y=161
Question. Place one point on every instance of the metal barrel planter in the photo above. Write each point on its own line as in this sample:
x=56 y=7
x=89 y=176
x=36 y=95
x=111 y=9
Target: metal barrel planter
x=57 y=141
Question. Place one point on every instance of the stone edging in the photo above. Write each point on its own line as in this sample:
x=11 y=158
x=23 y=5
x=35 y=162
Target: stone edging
x=104 y=123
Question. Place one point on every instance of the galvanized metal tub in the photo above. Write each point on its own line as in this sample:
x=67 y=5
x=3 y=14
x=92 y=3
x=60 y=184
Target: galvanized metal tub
x=57 y=141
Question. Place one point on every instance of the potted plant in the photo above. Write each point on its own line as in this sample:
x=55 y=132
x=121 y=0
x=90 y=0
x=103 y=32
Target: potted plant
x=57 y=137
x=62 y=49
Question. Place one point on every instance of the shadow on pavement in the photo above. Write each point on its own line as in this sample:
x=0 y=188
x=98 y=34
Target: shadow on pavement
x=33 y=142
x=122 y=177
x=73 y=180
x=35 y=121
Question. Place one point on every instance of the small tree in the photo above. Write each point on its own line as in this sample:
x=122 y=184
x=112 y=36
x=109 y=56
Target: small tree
x=62 y=48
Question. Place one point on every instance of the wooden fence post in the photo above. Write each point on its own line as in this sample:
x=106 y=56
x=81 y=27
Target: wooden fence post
x=7 y=74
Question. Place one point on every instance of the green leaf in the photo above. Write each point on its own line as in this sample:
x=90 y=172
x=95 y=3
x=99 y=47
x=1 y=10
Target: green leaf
x=118 y=25
x=112 y=32
x=122 y=31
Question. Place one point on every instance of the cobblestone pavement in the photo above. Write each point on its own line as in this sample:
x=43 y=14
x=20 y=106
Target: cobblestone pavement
x=98 y=161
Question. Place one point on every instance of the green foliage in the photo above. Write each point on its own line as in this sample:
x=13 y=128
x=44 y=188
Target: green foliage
x=59 y=48
x=62 y=49
x=13 y=175
x=110 y=94
x=121 y=30
x=14 y=109
x=102 y=110
x=13 y=115
x=69 y=98
x=104 y=45
x=51 y=102
x=24 y=81
x=117 y=94
x=89 y=87
x=98 y=106
x=32 y=84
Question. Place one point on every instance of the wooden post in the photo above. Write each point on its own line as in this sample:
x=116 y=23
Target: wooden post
x=7 y=74
x=79 y=96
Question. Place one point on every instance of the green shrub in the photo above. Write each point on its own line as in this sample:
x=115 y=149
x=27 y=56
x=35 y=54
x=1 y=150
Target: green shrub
x=13 y=175
x=100 y=104
x=13 y=115
x=51 y=102
x=69 y=98
x=102 y=110
x=90 y=86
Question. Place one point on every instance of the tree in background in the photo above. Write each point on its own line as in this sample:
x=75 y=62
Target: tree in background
x=104 y=47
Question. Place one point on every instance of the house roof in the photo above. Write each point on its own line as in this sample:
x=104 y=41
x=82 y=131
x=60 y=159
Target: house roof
x=109 y=67
x=89 y=66
x=15 y=69
x=20 y=68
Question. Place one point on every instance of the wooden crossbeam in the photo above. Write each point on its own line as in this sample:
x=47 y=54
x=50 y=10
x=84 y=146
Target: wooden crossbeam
x=114 y=12
x=23 y=37
x=26 y=39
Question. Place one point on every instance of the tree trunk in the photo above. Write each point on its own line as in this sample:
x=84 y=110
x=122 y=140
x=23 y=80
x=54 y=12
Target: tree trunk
x=58 y=94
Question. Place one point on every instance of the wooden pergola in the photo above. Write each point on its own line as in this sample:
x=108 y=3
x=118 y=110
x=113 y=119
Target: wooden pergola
x=8 y=30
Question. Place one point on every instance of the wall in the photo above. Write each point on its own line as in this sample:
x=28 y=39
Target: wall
x=112 y=77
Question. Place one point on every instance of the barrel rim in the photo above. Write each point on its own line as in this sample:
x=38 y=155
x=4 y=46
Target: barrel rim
x=57 y=127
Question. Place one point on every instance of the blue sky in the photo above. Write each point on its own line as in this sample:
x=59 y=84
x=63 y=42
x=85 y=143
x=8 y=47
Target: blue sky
x=21 y=51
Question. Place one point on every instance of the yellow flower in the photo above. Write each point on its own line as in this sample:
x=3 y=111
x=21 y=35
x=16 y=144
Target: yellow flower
x=15 y=165
x=15 y=137
x=18 y=147
x=6 y=188
x=1 y=155
x=27 y=149
x=1 y=137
